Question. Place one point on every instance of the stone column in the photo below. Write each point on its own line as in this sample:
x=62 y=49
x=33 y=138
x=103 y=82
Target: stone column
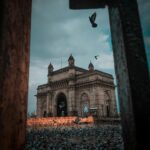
x=47 y=104
x=102 y=102
x=71 y=92
x=92 y=98
x=14 y=69
x=94 y=101
x=50 y=105
x=38 y=107
x=54 y=105
x=71 y=102
x=99 y=101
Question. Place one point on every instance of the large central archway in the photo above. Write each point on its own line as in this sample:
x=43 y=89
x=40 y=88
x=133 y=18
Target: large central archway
x=61 y=105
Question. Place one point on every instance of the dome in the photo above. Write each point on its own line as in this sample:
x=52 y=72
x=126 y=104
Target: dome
x=91 y=67
x=71 y=61
x=70 y=57
x=50 y=68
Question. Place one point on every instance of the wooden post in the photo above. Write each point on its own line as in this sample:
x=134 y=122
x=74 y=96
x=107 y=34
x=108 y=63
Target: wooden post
x=14 y=68
x=131 y=68
x=132 y=73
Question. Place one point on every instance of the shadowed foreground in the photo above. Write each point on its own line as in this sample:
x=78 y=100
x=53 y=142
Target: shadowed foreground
x=106 y=137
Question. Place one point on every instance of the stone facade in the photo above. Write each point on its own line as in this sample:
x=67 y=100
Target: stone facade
x=76 y=91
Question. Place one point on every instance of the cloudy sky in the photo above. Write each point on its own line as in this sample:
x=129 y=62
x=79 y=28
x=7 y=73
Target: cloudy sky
x=57 y=32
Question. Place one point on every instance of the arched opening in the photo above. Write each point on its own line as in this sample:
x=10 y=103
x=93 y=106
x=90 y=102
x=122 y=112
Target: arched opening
x=45 y=114
x=107 y=110
x=84 y=105
x=61 y=105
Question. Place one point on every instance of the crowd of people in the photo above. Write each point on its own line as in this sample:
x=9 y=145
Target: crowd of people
x=81 y=137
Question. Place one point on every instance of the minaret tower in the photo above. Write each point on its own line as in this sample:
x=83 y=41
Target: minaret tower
x=50 y=71
x=71 y=61
x=91 y=67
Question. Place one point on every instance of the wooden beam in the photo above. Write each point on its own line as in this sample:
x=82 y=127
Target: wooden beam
x=91 y=4
x=132 y=74
x=86 y=4
x=14 y=69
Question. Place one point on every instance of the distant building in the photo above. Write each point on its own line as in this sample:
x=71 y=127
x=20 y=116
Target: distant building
x=76 y=91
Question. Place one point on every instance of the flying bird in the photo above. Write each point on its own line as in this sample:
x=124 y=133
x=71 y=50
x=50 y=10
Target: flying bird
x=92 y=20
x=96 y=57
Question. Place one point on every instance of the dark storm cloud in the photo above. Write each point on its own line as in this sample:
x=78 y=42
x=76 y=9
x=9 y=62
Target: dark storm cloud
x=59 y=29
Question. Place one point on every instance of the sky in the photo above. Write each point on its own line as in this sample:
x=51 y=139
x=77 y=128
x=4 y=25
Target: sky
x=57 y=32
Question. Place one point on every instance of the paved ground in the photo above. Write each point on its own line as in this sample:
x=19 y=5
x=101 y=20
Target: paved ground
x=106 y=137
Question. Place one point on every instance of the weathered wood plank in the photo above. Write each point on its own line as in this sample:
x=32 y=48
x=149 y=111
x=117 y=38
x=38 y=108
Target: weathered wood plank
x=14 y=67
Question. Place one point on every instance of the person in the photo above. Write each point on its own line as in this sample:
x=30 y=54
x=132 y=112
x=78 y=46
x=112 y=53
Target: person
x=61 y=108
x=77 y=120
x=62 y=113
x=45 y=114
x=86 y=110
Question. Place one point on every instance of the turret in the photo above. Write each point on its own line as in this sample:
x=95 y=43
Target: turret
x=50 y=69
x=71 y=61
x=91 y=67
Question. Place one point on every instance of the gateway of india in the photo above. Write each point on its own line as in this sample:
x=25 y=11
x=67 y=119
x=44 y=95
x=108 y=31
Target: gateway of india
x=74 y=91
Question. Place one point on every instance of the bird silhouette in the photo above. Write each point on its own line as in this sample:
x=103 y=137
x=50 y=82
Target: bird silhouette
x=92 y=19
x=96 y=57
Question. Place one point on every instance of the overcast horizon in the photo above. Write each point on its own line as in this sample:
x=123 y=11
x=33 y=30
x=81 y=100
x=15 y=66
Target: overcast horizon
x=57 y=32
